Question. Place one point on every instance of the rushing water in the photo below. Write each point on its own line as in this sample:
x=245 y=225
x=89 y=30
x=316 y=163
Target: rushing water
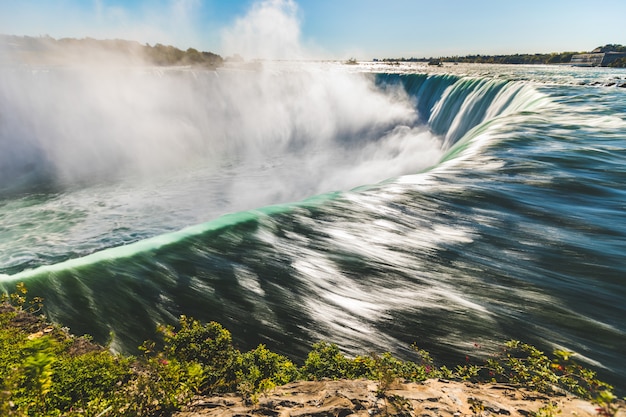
x=369 y=206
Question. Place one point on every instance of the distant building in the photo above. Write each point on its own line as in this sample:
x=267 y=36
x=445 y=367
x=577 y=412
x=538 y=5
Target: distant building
x=594 y=59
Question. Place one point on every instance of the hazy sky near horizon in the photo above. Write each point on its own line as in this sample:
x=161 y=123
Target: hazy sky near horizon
x=331 y=28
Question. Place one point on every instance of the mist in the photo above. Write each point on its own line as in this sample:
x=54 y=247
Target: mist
x=296 y=128
x=270 y=30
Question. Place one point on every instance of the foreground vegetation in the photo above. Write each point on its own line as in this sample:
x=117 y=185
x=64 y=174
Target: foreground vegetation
x=45 y=371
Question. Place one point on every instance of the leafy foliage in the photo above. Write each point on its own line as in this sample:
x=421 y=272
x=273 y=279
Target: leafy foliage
x=77 y=380
x=209 y=345
x=325 y=360
x=260 y=370
x=548 y=410
x=525 y=365
x=262 y=364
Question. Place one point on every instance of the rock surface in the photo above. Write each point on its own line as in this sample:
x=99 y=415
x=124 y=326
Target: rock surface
x=429 y=399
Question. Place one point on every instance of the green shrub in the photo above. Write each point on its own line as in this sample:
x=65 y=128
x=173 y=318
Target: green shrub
x=157 y=388
x=19 y=300
x=36 y=372
x=364 y=367
x=325 y=360
x=210 y=345
x=46 y=372
x=525 y=365
x=11 y=351
x=79 y=380
x=388 y=366
x=261 y=369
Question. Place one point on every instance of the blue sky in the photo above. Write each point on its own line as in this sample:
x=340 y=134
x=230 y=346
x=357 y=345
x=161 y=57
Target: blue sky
x=336 y=28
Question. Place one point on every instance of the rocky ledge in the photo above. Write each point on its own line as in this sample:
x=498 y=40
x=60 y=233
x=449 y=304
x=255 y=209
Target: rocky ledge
x=431 y=398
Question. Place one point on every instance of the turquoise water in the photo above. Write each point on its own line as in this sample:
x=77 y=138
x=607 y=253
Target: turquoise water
x=373 y=207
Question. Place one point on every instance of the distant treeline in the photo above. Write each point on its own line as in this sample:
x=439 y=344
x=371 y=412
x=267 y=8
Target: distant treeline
x=169 y=55
x=610 y=48
x=552 y=58
x=45 y=47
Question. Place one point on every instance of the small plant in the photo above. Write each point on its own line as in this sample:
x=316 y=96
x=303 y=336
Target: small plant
x=525 y=365
x=19 y=300
x=37 y=370
x=388 y=370
x=385 y=374
x=400 y=406
x=605 y=400
x=476 y=406
x=549 y=410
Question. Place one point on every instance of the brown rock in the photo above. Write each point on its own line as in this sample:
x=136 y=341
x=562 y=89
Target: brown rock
x=357 y=398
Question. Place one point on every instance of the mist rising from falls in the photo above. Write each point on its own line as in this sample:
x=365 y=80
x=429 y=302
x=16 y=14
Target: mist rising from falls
x=305 y=130
x=76 y=124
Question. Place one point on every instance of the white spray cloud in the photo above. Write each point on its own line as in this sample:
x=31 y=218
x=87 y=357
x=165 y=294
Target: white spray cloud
x=304 y=129
x=270 y=30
